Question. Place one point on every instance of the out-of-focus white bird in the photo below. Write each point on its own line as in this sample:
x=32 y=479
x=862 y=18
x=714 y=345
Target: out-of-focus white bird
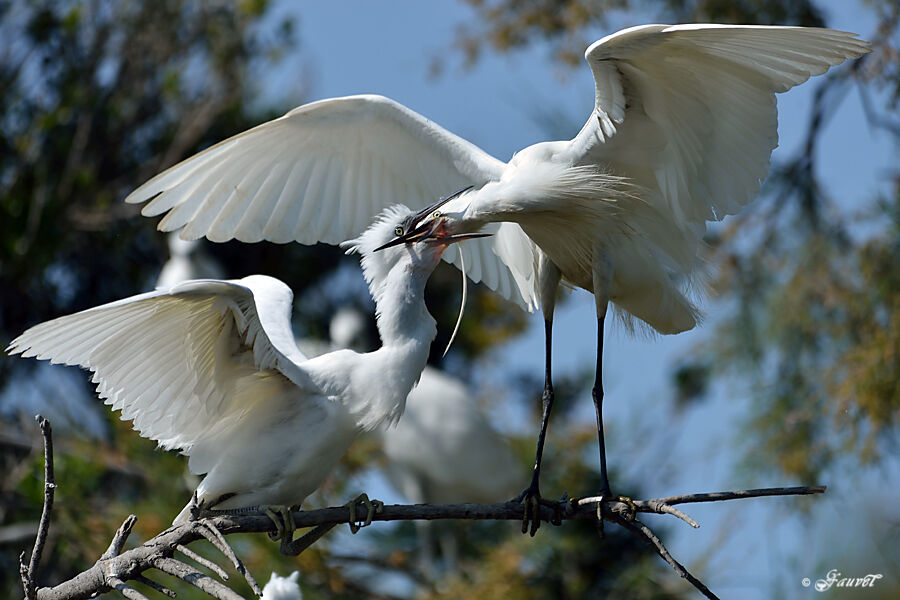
x=211 y=368
x=186 y=261
x=282 y=588
x=684 y=123
x=443 y=450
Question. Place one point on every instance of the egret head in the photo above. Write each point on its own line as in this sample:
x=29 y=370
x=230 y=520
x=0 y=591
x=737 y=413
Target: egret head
x=428 y=224
x=397 y=239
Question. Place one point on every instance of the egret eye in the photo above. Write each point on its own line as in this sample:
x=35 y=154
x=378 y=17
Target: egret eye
x=398 y=231
x=436 y=214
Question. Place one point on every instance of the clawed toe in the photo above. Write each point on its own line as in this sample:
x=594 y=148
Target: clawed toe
x=373 y=507
x=532 y=501
x=283 y=520
x=632 y=509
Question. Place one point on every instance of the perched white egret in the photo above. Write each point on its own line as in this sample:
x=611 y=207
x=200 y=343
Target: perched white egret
x=211 y=368
x=282 y=588
x=683 y=126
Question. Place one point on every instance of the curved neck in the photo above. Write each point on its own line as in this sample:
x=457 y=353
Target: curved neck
x=406 y=330
x=400 y=310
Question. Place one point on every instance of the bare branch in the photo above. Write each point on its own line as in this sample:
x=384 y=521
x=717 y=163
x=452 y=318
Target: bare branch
x=28 y=574
x=642 y=531
x=157 y=552
x=214 y=536
x=126 y=590
x=735 y=495
x=195 y=578
x=159 y=588
x=118 y=541
x=205 y=562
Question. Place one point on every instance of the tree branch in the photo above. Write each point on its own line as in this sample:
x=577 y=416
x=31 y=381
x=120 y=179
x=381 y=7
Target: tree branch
x=28 y=573
x=115 y=568
x=112 y=570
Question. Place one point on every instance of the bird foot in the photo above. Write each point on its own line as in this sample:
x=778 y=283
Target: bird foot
x=373 y=507
x=607 y=496
x=283 y=519
x=531 y=498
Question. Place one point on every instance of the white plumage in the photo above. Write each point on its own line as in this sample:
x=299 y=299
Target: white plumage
x=444 y=450
x=211 y=368
x=682 y=130
x=683 y=126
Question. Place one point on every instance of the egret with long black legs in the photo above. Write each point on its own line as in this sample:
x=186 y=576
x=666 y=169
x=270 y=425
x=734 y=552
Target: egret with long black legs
x=681 y=133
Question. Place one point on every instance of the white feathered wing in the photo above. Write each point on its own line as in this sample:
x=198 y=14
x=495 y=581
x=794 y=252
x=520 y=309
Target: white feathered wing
x=321 y=173
x=172 y=360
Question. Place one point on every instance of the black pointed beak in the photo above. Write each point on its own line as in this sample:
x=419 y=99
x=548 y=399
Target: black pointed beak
x=418 y=232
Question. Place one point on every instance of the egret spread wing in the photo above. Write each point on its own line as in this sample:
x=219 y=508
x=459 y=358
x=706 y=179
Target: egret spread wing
x=688 y=111
x=321 y=173
x=170 y=360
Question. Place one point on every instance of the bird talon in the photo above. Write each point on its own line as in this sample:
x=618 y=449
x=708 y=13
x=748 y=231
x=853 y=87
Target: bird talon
x=632 y=509
x=531 y=520
x=282 y=519
x=373 y=507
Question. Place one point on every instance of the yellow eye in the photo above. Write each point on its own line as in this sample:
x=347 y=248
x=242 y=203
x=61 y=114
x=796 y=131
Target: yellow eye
x=398 y=231
x=436 y=214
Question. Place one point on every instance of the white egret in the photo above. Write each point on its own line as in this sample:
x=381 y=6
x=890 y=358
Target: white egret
x=211 y=368
x=683 y=126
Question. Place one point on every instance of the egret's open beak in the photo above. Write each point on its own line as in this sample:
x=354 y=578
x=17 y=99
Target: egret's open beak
x=419 y=231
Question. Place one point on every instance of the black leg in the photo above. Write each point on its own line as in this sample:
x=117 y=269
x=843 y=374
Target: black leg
x=546 y=404
x=597 y=394
x=531 y=496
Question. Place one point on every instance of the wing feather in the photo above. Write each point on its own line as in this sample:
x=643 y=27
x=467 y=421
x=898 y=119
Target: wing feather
x=700 y=109
x=321 y=173
x=170 y=359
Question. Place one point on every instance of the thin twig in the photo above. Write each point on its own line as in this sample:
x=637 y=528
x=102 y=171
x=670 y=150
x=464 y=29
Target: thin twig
x=156 y=586
x=203 y=561
x=28 y=576
x=647 y=506
x=641 y=530
x=738 y=494
x=209 y=530
x=125 y=589
x=197 y=579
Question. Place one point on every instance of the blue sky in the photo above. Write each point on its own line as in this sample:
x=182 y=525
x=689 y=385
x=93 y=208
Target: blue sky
x=386 y=48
